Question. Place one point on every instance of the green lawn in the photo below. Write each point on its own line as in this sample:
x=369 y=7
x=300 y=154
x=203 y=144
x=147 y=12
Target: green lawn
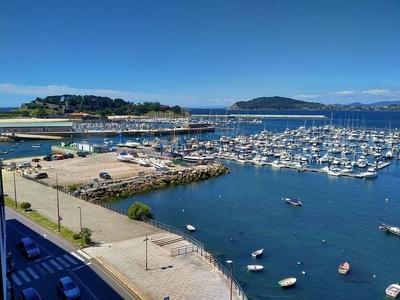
x=46 y=223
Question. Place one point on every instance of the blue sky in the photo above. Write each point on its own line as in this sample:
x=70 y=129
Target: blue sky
x=201 y=53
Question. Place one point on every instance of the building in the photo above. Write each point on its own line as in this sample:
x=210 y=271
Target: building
x=36 y=127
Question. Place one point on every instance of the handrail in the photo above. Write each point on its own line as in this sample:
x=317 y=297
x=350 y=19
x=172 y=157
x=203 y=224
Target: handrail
x=199 y=248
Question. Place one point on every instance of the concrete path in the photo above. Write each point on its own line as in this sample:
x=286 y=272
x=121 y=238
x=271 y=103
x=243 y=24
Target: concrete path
x=121 y=246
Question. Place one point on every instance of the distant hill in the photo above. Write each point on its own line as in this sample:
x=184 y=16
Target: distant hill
x=7 y=108
x=275 y=102
x=380 y=103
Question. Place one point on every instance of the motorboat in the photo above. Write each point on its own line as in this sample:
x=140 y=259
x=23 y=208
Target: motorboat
x=131 y=144
x=392 y=229
x=257 y=254
x=393 y=290
x=198 y=157
x=287 y=282
x=254 y=268
x=190 y=227
x=293 y=201
x=344 y=267
x=370 y=173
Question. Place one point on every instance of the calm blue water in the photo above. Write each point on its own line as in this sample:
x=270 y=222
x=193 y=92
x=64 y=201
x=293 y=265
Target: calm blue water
x=238 y=213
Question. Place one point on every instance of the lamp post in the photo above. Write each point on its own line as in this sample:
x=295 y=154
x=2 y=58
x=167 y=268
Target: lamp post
x=80 y=222
x=231 y=263
x=58 y=207
x=15 y=190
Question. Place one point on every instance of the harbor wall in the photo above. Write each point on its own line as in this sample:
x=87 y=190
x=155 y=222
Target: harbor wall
x=142 y=183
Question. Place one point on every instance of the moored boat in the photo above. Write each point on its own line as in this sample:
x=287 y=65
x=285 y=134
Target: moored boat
x=344 y=268
x=293 y=201
x=287 y=282
x=190 y=227
x=393 y=290
x=258 y=253
x=370 y=173
x=392 y=229
x=255 y=268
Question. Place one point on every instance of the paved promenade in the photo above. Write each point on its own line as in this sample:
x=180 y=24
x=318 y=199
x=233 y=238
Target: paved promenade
x=121 y=247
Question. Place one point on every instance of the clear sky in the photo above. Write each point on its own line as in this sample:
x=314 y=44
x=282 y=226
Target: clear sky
x=205 y=53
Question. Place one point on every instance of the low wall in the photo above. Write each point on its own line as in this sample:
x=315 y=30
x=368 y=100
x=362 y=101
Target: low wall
x=141 y=183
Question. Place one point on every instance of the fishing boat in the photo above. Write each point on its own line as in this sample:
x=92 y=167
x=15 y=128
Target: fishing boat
x=393 y=290
x=190 y=227
x=344 y=268
x=287 y=282
x=293 y=201
x=392 y=229
x=257 y=254
x=37 y=145
x=254 y=268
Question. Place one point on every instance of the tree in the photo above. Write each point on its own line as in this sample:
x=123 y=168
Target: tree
x=25 y=205
x=139 y=210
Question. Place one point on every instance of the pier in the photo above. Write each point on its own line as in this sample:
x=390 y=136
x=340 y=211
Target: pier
x=262 y=116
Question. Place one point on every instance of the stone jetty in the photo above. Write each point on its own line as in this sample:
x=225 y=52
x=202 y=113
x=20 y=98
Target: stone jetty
x=142 y=183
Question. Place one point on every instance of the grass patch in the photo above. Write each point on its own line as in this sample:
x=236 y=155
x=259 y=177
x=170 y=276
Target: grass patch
x=46 y=223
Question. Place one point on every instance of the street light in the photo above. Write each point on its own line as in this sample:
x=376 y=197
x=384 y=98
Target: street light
x=58 y=207
x=80 y=222
x=15 y=190
x=231 y=263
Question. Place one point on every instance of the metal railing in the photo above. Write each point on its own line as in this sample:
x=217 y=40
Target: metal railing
x=199 y=248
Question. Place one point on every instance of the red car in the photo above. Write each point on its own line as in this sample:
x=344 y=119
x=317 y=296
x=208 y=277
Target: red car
x=35 y=159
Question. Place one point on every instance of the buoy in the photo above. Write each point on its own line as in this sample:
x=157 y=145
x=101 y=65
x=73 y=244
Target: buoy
x=304 y=273
x=183 y=210
x=262 y=206
x=299 y=263
x=387 y=200
x=343 y=251
x=323 y=241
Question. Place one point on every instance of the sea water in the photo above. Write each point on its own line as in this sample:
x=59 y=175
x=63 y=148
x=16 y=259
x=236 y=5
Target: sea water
x=243 y=211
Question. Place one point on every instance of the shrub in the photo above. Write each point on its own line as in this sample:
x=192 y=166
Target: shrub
x=139 y=210
x=25 y=205
x=76 y=236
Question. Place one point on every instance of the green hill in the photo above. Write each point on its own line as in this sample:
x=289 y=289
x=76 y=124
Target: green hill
x=276 y=102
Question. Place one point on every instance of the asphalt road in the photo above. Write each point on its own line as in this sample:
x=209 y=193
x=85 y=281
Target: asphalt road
x=57 y=259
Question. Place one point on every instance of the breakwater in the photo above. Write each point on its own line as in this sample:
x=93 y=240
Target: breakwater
x=142 y=183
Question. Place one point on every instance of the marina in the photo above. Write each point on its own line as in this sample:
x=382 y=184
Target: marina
x=245 y=207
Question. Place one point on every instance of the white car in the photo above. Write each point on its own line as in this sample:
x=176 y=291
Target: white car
x=25 y=164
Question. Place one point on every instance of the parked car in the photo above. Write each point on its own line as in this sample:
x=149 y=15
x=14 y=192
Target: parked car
x=29 y=247
x=105 y=175
x=47 y=157
x=68 y=288
x=29 y=294
x=25 y=164
x=68 y=155
x=35 y=159
x=80 y=154
x=41 y=175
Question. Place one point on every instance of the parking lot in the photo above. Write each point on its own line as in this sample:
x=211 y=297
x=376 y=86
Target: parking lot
x=79 y=170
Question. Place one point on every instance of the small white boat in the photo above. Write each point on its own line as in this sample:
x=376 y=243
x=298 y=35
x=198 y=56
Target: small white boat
x=254 y=268
x=287 y=282
x=393 y=290
x=344 y=268
x=392 y=229
x=293 y=201
x=257 y=254
x=371 y=173
x=190 y=227
x=131 y=144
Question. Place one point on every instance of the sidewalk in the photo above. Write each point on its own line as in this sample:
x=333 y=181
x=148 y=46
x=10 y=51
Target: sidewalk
x=121 y=246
